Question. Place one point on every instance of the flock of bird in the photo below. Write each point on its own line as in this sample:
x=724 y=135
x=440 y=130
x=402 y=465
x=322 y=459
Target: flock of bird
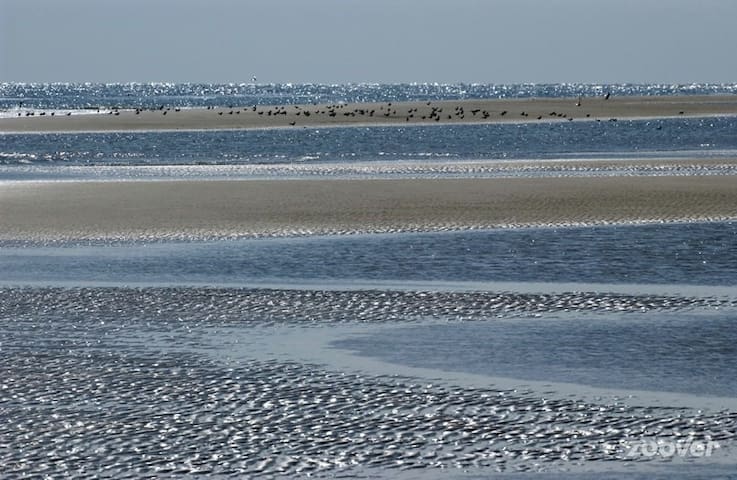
x=388 y=111
x=369 y=112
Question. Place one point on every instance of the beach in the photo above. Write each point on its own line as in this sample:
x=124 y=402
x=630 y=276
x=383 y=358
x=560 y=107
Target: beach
x=57 y=211
x=387 y=113
x=212 y=291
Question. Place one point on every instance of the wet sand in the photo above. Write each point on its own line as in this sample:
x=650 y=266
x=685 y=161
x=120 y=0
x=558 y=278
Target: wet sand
x=54 y=211
x=389 y=113
x=233 y=382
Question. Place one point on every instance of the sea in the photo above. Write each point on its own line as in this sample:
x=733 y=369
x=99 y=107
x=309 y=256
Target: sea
x=601 y=351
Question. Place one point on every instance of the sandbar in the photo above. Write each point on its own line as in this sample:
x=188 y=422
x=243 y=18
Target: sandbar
x=387 y=113
x=62 y=211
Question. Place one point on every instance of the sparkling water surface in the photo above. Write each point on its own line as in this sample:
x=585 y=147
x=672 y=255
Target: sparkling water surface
x=696 y=254
x=131 y=95
x=682 y=137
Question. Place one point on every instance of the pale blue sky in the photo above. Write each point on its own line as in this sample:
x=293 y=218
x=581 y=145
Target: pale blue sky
x=339 y=41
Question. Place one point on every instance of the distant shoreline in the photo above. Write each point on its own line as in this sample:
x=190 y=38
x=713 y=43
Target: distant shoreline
x=443 y=112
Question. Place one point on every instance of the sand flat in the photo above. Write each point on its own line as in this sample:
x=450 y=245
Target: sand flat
x=395 y=113
x=211 y=209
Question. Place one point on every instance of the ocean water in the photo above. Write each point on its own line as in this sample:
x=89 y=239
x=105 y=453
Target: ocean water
x=64 y=96
x=688 y=254
x=369 y=355
x=682 y=352
x=712 y=137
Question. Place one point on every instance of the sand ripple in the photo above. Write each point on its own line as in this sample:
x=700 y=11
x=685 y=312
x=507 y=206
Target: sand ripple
x=109 y=382
x=267 y=306
x=129 y=415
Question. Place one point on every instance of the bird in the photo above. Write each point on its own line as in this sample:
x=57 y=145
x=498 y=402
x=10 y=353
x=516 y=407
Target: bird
x=606 y=97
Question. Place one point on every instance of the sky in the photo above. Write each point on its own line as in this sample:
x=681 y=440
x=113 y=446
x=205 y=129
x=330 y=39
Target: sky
x=351 y=41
